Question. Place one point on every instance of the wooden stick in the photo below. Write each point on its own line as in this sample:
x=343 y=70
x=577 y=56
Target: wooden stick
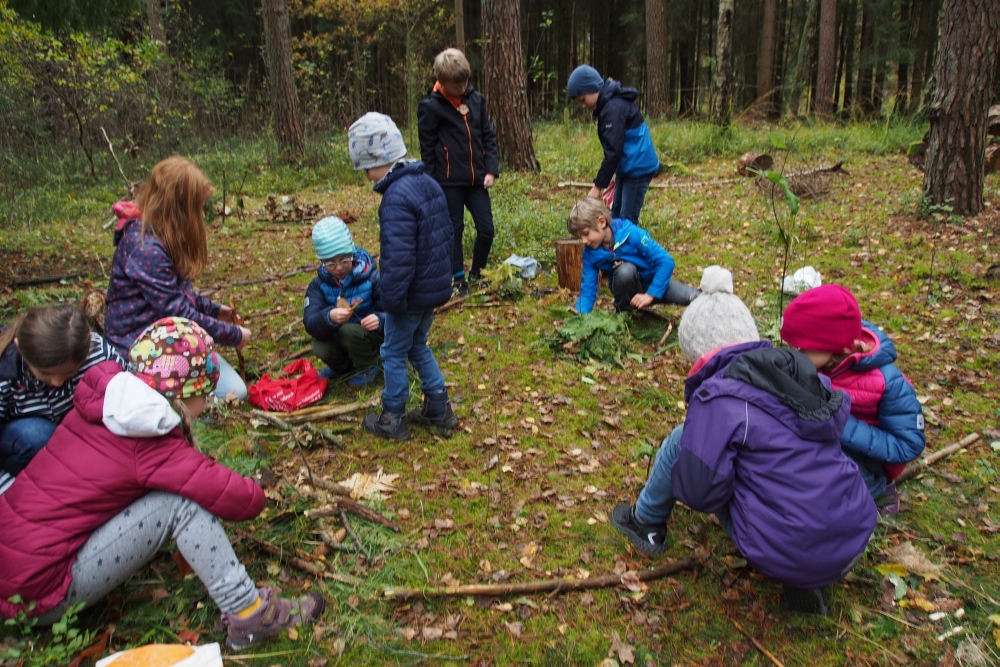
x=541 y=586
x=451 y=304
x=294 y=561
x=757 y=645
x=333 y=487
x=354 y=507
x=339 y=546
x=44 y=280
x=666 y=334
x=913 y=469
x=329 y=411
x=129 y=185
x=354 y=536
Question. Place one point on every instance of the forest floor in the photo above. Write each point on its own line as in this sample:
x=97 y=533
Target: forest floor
x=548 y=445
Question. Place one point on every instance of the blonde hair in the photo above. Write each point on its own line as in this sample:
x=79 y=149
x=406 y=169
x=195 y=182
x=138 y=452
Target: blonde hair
x=49 y=336
x=172 y=201
x=451 y=66
x=585 y=214
x=182 y=410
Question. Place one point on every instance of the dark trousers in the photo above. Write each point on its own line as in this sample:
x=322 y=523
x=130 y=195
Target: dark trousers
x=477 y=200
x=626 y=283
x=352 y=346
x=630 y=194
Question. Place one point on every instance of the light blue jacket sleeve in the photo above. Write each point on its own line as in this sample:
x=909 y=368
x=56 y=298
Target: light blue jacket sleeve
x=589 y=284
x=899 y=437
x=659 y=258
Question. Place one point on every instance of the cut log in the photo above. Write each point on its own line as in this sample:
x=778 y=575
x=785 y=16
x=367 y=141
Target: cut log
x=753 y=160
x=993 y=158
x=993 y=122
x=569 y=263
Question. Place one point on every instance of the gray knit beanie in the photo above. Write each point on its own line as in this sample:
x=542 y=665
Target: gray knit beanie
x=716 y=318
x=374 y=141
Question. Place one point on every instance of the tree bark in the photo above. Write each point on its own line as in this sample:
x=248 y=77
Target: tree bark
x=765 y=67
x=866 y=58
x=800 y=65
x=953 y=170
x=722 y=84
x=459 y=26
x=285 y=98
x=920 y=57
x=505 y=85
x=154 y=14
x=826 y=69
x=657 y=57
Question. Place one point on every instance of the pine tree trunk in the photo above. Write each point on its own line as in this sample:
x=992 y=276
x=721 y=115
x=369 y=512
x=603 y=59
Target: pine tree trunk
x=920 y=56
x=459 y=26
x=800 y=65
x=953 y=170
x=852 y=24
x=657 y=57
x=826 y=69
x=867 y=57
x=722 y=84
x=505 y=85
x=765 y=67
x=278 y=50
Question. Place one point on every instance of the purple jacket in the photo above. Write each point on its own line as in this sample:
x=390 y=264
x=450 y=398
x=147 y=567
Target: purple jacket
x=144 y=287
x=762 y=437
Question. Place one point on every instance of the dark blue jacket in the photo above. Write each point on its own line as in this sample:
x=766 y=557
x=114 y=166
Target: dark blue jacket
x=415 y=233
x=457 y=150
x=762 y=438
x=360 y=286
x=628 y=148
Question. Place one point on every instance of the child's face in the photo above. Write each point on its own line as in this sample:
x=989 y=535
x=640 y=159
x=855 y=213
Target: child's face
x=56 y=376
x=376 y=174
x=455 y=89
x=588 y=100
x=819 y=359
x=195 y=405
x=339 y=266
x=594 y=238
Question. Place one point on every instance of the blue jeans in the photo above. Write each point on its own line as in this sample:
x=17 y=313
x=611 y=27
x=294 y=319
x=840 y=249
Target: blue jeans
x=630 y=193
x=229 y=380
x=656 y=500
x=21 y=439
x=406 y=338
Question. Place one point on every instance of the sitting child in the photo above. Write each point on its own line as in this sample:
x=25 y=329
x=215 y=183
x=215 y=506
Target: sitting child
x=415 y=235
x=43 y=356
x=119 y=478
x=640 y=270
x=886 y=428
x=760 y=449
x=342 y=305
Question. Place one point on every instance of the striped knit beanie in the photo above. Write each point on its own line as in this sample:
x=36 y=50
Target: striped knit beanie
x=331 y=238
x=374 y=141
x=176 y=357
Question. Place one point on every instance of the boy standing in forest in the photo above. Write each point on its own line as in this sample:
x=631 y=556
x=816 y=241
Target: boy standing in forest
x=459 y=150
x=415 y=236
x=629 y=155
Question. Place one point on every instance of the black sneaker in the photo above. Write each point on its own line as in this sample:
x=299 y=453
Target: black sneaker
x=460 y=287
x=804 y=600
x=649 y=539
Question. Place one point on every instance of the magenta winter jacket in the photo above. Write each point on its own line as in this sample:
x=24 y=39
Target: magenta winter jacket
x=85 y=476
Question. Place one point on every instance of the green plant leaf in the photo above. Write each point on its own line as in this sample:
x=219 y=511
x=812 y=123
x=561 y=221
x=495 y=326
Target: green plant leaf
x=790 y=197
x=778 y=140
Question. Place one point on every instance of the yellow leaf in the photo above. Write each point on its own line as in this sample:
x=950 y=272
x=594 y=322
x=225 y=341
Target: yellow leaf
x=892 y=568
x=995 y=618
x=293 y=634
x=996 y=637
x=918 y=603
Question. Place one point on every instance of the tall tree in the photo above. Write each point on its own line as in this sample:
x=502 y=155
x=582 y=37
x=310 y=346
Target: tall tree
x=505 y=85
x=866 y=59
x=953 y=171
x=722 y=84
x=800 y=64
x=278 y=51
x=459 y=25
x=765 y=68
x=921 y=41
x=657 y=59
x=826 y=68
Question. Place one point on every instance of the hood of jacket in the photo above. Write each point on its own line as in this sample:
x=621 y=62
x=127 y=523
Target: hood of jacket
x=126 y=405
x=402 y=168
x=612 y=89
x=620 y=230
x=881 y=352
x=363 y=267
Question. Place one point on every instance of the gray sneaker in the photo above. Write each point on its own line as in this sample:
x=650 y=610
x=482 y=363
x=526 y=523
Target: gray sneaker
x=648 y=538
x=273 y=615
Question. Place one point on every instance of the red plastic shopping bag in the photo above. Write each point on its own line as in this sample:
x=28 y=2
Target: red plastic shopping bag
x=297 y=386
x=609 y=193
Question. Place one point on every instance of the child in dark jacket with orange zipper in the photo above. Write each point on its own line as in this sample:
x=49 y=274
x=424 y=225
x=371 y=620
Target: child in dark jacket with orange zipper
x=458 y=146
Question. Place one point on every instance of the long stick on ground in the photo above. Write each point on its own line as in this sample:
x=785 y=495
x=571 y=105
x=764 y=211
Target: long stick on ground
x=541 y=586
x=354 y=536
x=330 y=411
x=288 y=556
x=757 y=645
x=355 y=508
x=914 y=469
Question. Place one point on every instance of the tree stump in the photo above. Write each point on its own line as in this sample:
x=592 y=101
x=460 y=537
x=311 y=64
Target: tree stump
x=752 y=160
x=569 y=263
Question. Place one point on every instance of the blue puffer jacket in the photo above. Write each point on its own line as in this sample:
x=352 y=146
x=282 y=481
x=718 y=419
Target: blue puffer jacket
x=415 y=233
x=360 y=286
x=628 y=148
x=631 y=244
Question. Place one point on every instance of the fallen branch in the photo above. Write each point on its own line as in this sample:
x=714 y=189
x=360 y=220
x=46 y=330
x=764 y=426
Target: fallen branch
x=285 y=554
x=326 y=539
x=666 y=334
x=914 y=469
x=757 y=645
x=44 y=280
x=326 y=413
x=354 y=536
x=541 y=586
x=334 y=488
x=354 y=507
x=271 y=277
x=451 y=304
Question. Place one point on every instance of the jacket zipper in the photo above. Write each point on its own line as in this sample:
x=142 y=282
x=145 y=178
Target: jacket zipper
x=447 y=161
x=469 y=131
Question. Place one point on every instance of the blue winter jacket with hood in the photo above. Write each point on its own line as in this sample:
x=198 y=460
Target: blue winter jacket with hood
x=360 y=288
x=630 y=243
x=628 y=148
x=762 y=438
x=415 y=233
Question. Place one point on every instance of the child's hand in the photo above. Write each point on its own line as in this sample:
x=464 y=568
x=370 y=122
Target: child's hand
x=489 y=180
x=225 y=314
x=641 y=301
x=370 y=323
x=595 y=193
x=340 y=315
x=244 y=339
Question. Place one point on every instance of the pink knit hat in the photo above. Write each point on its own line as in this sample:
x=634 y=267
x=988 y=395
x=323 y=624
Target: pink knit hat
x=824 y=319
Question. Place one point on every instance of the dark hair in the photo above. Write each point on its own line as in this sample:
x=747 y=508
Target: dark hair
x=49 y=336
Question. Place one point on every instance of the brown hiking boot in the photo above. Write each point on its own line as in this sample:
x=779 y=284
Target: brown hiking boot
x=273 y=615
